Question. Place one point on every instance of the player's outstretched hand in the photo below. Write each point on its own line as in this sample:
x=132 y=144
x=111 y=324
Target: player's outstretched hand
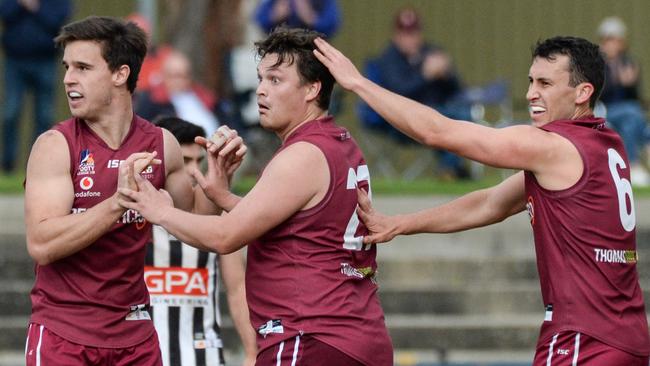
x=379 y=226
x=150 y=202
x=343 y=70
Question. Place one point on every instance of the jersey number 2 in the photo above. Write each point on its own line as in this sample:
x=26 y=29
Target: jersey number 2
x=350 y=241
x=623 y=190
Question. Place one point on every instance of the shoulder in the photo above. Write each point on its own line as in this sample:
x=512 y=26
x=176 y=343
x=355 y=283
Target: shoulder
x=298 y=159
x=50 y=153
x=50 y=140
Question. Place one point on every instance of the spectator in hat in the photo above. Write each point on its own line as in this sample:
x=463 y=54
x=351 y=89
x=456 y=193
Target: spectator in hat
x=424 y=72
x=621 y=94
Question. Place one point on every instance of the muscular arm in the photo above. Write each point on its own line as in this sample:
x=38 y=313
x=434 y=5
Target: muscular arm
x=518 y=147
x=283 y=190
x=475 y=209
x=233 y=274
x=53 y=232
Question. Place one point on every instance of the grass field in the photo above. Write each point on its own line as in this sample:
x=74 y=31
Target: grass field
x=13 y=184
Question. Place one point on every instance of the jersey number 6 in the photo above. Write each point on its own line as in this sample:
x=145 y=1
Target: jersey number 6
x=623 y=190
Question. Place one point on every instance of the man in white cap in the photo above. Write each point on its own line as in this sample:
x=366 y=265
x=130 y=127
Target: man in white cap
x=621 y=95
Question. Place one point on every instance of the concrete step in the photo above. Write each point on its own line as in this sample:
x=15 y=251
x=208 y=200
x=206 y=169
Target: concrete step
x=14 y=297
x=477 y=332
x=523 y=297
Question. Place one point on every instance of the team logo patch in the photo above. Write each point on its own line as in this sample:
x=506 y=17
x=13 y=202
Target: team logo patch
x=271 y=326
x=530 y=207
x=86 y=183
x=86 y=162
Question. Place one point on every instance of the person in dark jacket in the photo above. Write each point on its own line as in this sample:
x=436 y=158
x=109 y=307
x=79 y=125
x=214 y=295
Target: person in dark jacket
x=424 y=72
x=30 y=65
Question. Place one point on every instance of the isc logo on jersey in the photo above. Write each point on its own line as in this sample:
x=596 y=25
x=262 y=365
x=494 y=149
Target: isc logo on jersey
x=175 y=286
x=86 y=163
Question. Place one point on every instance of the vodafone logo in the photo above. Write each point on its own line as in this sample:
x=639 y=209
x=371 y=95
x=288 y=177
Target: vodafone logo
x=86 y=183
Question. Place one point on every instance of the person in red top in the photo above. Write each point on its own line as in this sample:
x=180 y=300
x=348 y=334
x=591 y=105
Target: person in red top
x=310 y=280
x=89 y=300
x=575 y=184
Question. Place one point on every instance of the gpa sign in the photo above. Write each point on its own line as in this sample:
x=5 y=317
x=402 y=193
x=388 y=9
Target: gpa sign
x=176 y=281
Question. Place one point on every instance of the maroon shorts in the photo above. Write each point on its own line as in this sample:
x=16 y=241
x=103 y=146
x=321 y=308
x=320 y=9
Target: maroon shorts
x=46 y=348
x=304 y=350
x=578 y=349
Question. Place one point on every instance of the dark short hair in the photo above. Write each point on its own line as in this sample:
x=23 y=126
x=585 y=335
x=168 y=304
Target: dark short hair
x=121 y=42
x=184 y=131
x=297 y=45
x=586 y=62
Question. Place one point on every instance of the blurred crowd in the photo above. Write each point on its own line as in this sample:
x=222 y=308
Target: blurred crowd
x=174 y=83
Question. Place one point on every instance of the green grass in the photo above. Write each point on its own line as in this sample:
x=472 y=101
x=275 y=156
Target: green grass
x=13 y=184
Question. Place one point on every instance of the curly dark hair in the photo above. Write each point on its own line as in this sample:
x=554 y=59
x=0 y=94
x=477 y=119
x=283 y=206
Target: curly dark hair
x=122 y=42
x=297 y=45
x=586 y=62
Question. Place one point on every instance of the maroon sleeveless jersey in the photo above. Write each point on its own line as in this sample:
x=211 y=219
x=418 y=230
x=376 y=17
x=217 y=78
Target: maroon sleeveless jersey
x=586 y=243
x=97 y=296
x=312 y=274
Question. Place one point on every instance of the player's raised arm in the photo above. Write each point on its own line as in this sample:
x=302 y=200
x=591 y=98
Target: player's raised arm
x=517 y=147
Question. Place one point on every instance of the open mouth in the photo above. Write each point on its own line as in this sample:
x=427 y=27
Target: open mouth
x=536 y=110
x=74 y=95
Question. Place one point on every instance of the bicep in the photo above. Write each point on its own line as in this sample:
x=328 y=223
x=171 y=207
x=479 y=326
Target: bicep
x=177 y=183
x=48 y=186
x=515 y=147
x=283 y=190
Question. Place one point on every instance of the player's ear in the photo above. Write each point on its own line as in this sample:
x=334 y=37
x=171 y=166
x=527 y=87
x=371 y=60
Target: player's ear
x=313 y=90
x=584 y=91
x=121 y=75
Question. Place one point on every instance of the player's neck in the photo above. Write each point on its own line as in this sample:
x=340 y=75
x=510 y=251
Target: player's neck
x=113 y=126
x=311 y=115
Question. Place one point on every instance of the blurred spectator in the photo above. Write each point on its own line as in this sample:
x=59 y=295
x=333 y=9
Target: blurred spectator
x=179 y=96
x=425 y=73
x=320 y=15
x=31 y=60
x=621 y=94
x=150 y=73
